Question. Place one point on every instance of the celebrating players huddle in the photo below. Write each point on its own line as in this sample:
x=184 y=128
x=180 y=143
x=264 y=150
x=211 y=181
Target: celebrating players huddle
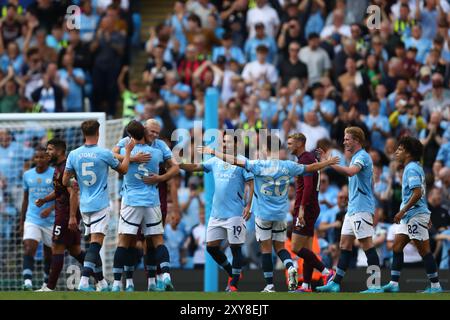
x=76 y=189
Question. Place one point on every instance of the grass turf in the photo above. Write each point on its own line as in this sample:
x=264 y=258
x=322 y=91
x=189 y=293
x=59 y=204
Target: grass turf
x=21 y=295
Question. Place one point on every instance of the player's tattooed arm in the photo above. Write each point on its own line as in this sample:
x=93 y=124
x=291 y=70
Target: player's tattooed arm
x=123 y=166
x=172 y=170
x=223 y=156
x=417 y=194
x=322 y=164
x=67 y=178
x=247 y=213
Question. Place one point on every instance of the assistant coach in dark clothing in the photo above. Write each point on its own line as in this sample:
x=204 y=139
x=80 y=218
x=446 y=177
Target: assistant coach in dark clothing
x=109 y=47
x=306 y=212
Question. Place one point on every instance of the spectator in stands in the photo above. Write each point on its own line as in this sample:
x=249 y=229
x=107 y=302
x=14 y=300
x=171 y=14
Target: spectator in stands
x=156 y=68
x=338 y=26
x=202 y=8
x=324 y=108
x=440 y=216
x=228 y=51
x=378 y=124
x=80 y=51
x=233 y=15
x=174 y=92
x=263 y=13
x=438 y=99
x=48 y=13
x=315 y=58
x=72 y=81
x=9 y=98
x=291 y=66
x=290 y=32
x=49 y=96
x=260 y=38
x=432 y=138
x=109 y=46
x=199 y=236
x=260 y=71
x=88 y=21
x=174 y=237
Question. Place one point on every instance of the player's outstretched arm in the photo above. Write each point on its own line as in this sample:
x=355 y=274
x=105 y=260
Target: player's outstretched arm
x=231 y=159
x=322 y=164
x=139 y=157
x=347 y=171
x=123 y=166
x=251 y=187
x=417 y=194
x=172 y=170
x=191 y=167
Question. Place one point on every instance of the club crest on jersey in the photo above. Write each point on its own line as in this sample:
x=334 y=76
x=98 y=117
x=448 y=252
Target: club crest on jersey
x=39 y=180
x=226 y=165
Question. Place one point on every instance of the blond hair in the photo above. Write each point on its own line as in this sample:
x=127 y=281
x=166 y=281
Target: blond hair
x=357 y=133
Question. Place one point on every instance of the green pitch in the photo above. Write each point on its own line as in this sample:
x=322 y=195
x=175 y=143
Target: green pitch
x=20 y=295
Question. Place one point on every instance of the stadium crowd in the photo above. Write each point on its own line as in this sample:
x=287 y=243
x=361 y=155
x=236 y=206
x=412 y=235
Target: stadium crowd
x=309 y=66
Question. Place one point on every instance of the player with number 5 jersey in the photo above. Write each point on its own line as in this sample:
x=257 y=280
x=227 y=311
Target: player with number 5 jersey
x=89 y=164
x=272 y=179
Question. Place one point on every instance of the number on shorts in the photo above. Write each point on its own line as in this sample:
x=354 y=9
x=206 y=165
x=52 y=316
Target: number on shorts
x=141 y=168
x=237 y=229
x=412 y=229
x=57 y=230
x=85 y=172
x=279 y=183
x=357 y=225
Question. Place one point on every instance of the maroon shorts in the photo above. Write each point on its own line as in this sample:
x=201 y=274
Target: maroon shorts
x=63 y=235
x=311 y=215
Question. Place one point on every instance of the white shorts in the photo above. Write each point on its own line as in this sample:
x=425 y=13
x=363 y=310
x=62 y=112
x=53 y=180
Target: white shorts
x=275 y=230
x=416 y=228
x=359 y=225
x=233 y=229
x=96 y=222
x=149 y=218
x=32 y=231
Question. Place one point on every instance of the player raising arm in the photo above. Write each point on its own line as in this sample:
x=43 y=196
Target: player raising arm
x=229 y=210
x=272 y=178
x=358 y=222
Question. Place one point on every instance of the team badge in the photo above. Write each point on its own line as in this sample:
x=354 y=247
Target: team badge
x=39 y=180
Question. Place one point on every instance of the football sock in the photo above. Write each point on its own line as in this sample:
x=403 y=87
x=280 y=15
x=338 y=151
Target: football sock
x=55 y=270
x=372 y=257
x=220 y=258
x=163 y=259
x=47 y=264
x=267 y=266
x=98 y=271
x=80 y=257
x=286 y=258
x=397 y=266
x=28 y=267
x=344 y=262
x=311 y=258
x=90 y=260
x=118 y=264
x=237 y=264
x=431 y=269
x=130 y=260
x=151 y=265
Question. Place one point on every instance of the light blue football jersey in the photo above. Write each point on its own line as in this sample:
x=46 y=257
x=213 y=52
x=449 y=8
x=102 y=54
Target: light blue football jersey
x=91 y=164
x=135 y=192
x=360 y=191
x=413 y=177
x=158 y=144
x=229 y=188
x=38 y=186
x=272 y=178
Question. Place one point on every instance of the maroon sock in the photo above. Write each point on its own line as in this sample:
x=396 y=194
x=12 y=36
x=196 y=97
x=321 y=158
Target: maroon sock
x=311 y=258
x=158 y=269
x=307 y=271
x=55 y=270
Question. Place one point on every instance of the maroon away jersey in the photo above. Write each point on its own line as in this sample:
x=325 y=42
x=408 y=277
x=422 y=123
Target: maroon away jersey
x=62 y=202
x=307 y=195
